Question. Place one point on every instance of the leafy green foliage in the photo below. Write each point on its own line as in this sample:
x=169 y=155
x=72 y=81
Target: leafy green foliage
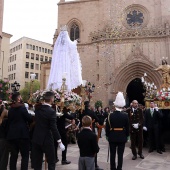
x=25 y=93
x=98 y=104
x=4 y=90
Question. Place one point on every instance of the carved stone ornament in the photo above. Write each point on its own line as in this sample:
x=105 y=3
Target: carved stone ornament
x=135 y=17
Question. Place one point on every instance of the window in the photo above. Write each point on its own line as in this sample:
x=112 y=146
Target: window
x=39 y=49
x=48 y=51
x=43 y=50
x=15 y=56
x=27 y=45
x=46 y=58
x=74 y=32
x=11 y=76
x=32 y=65
x=36 y=77
x=41 y=58
x=36 y=66
x=14 y=76
x=14 y=66
x=33 y=47
x=32 y=56
x=26 y=74
x=10 y=68
x=27 y=54
x=30 y=46
x=37 y=57
x=50 y=58
x=51 y=51
x=36 y=48
x=21 y=46
x=97 y=77
x=27 y=65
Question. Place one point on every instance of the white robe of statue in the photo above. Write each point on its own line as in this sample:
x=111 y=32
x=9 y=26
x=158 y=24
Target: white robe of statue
x=65 y=59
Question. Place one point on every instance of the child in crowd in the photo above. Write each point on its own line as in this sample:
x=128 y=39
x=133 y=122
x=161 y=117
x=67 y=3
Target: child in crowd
x=88 y=145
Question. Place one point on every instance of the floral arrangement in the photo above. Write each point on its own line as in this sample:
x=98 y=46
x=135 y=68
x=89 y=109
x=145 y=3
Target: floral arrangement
x=69 y=97
x=163 y=95
x=4 y=90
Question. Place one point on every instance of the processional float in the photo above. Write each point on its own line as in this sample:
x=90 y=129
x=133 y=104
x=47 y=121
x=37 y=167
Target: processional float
x=161 y=96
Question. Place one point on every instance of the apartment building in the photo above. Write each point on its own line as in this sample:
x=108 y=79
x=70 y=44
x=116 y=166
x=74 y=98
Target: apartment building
x=26 y=55
x=5 y=46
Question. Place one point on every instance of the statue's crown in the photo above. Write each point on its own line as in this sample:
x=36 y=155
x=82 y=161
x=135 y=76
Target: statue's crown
x=63 y=28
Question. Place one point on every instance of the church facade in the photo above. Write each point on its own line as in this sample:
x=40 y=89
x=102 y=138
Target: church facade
x=119 y=41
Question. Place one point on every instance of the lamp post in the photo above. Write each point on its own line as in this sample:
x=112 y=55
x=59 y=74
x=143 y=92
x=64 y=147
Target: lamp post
x=89 y=89
x=15 y=87
x=83 y=92
x=32 y=77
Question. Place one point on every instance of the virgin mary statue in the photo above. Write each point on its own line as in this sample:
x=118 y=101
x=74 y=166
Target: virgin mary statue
x=65 y=61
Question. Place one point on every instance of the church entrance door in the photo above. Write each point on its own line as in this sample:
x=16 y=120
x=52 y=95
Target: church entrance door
x=135 y=91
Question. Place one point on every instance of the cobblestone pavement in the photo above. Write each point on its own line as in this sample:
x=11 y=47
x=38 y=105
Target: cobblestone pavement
x=152 y=160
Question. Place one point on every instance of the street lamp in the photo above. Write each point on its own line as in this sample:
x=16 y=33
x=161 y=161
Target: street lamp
x=15 y=87
x=89 y=89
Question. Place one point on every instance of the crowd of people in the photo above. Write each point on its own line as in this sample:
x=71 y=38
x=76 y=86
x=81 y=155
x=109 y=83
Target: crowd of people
x=45 y=132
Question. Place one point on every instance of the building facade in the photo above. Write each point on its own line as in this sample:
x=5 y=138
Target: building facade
x=26 y=55
x=119 y=41
x=5 y=48
x=1 y=21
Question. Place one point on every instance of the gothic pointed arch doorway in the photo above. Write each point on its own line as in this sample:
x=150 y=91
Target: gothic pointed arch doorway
x=135 y=91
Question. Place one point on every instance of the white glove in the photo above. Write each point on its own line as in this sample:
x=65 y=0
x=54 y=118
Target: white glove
x=145 y=128
x=62 y=147
x=156 y=108
x=135 y=125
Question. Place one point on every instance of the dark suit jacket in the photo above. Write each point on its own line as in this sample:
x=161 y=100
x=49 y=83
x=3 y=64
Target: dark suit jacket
x=45 y=125
x=135 y=117
x=87 y=142
x=117 y=120
x=18 y=119
x=155 y=121
x=88 y=112
x=61 y=121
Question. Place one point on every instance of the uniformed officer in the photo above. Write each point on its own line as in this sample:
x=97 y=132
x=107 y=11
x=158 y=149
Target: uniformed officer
x=135 y=115
x=117 y=131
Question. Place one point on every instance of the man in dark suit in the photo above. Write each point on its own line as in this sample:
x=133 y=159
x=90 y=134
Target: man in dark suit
x=88 y=145
x=117 y=131
x=18 y=132
x=63 y=132
x=153 y=125
x=45 y=133
x=136 y=119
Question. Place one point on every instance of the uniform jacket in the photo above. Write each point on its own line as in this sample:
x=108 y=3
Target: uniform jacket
x=87 y=142
x=100 y=116
x=117 y=120
x=135 y=117
x=152 y=121
x=18 y=120
x=45 y=125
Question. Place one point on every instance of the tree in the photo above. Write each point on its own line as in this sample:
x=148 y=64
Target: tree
x=98 y=104
x=25 y=93
x=4 y=89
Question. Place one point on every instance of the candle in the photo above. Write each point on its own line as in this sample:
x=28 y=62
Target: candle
x=142 y=79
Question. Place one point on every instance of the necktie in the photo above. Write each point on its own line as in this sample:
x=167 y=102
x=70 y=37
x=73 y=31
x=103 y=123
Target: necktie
x=152 y=112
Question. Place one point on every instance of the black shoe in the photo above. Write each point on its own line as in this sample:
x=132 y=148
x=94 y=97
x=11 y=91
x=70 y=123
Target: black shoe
x=160 y=152
x=97 y=168
x=150 y=150
x=141 y=156
x=65 y=162
x=56 y=160
x=134 y=157
x=163 y=150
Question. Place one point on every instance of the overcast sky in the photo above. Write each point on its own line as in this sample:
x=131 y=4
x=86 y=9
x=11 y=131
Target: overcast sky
x=35 y=19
